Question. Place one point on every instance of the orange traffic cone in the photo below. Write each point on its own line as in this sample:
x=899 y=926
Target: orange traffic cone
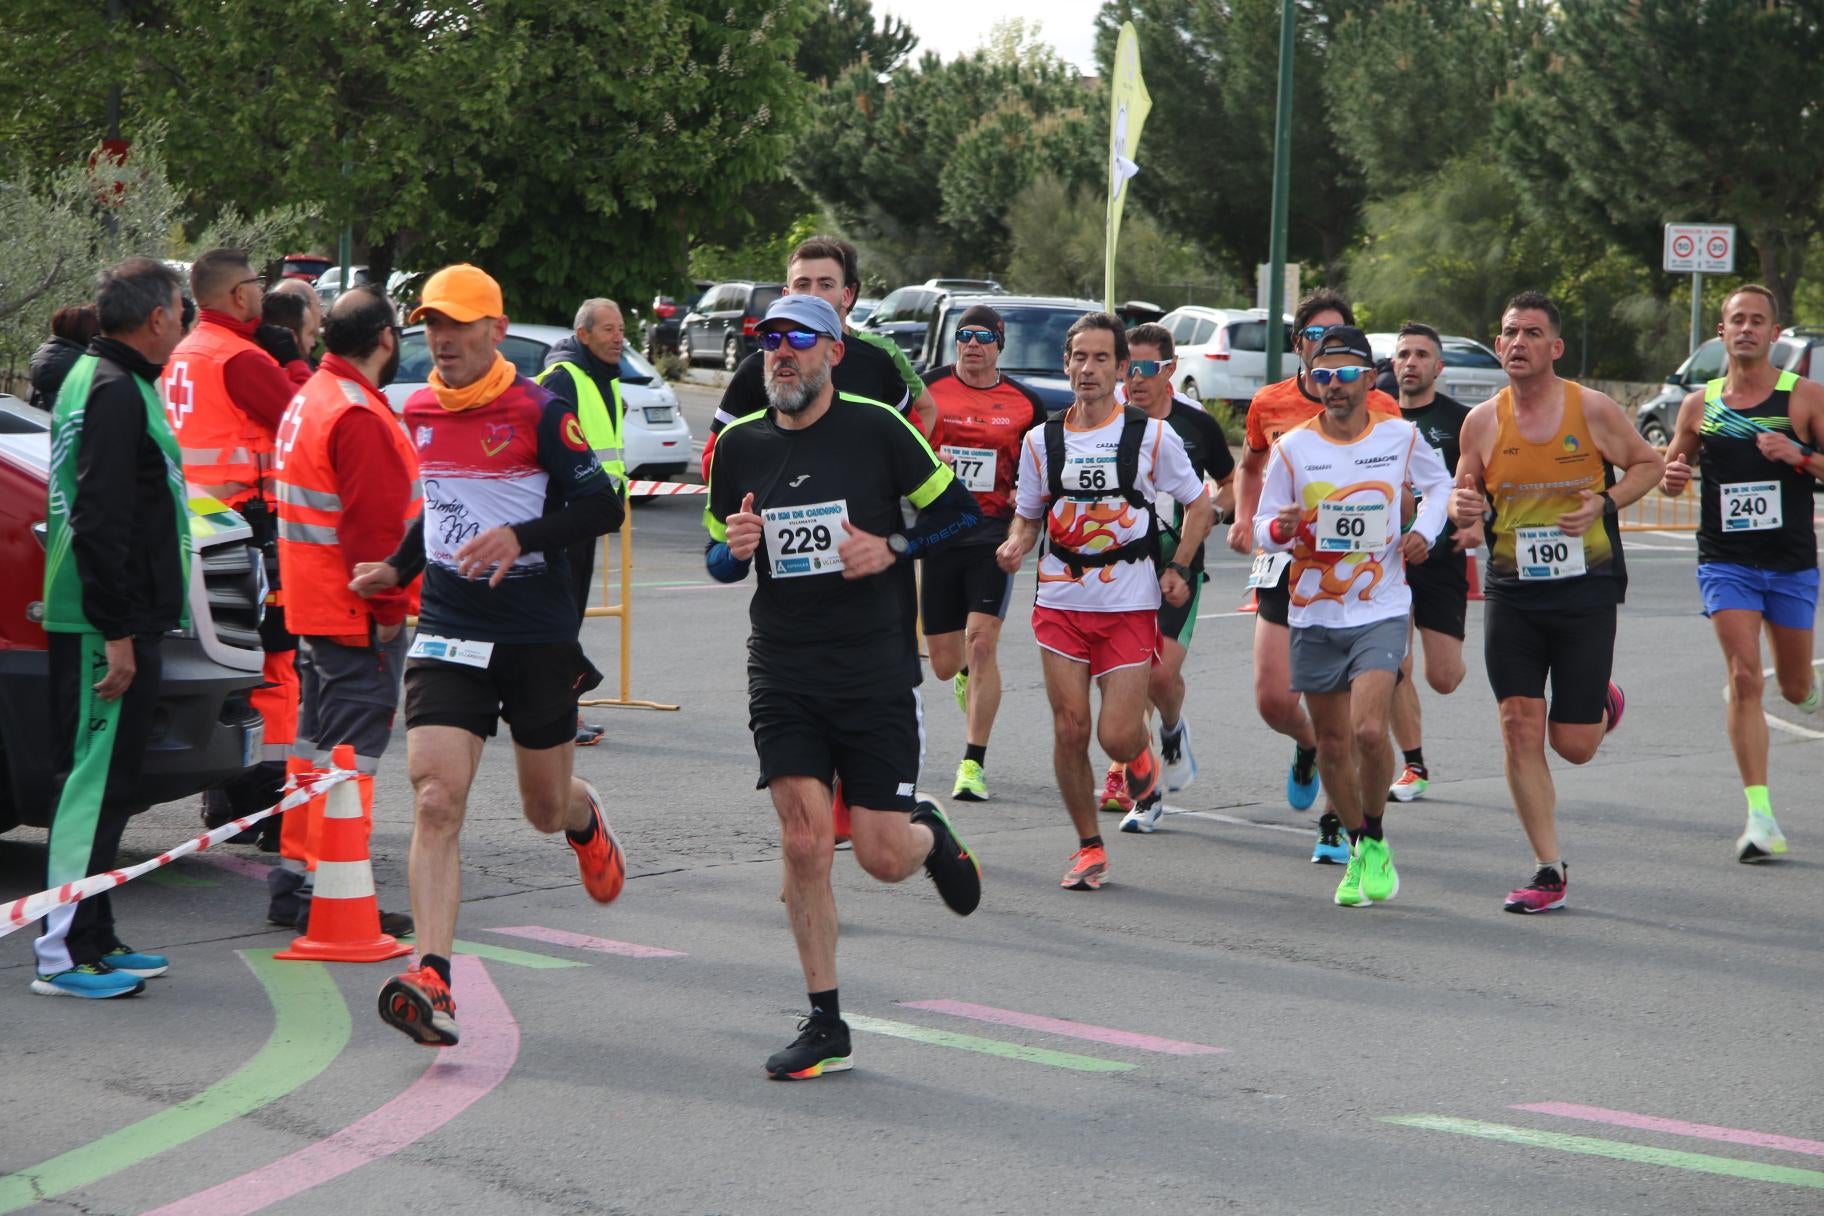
x=1475 y=583
x=1253 y=602
x=295 y=835
x=344 y=913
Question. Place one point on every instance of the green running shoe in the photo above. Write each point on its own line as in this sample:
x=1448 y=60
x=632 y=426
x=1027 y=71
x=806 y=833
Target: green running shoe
x=959 y=683
x=1813 y=699
x=970 y=784
x=1349 y=891
x=1380 y=881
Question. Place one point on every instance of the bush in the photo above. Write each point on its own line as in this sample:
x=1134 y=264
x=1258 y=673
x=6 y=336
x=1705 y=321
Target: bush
x=671 y=365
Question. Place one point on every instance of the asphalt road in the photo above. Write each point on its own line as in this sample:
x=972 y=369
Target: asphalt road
x=1207 y=1033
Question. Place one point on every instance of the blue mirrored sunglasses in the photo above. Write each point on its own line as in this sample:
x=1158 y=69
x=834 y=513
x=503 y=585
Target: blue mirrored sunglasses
x=801 y=339
x=1312 y=333
x=987 y=337
x=1146 y=369
x=1322 y=376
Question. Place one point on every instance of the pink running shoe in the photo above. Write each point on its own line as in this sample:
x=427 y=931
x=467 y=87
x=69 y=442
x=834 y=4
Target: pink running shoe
x=1615 y=704
x=1115 y=798
x=1544 y=893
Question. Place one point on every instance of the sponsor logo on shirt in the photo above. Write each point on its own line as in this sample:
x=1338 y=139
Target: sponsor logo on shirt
x=495 y=439
x=422 y=437
x=573 y=434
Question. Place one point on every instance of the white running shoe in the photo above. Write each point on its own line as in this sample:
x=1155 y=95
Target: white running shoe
x=1175 y=754
x=1762 y=840
x=1145 y=815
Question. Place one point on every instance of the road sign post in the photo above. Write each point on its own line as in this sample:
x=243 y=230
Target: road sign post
x=1698 y=250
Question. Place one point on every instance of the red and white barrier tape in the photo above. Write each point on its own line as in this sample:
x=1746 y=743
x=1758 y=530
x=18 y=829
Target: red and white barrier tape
x=645 y=489
x=22 y=912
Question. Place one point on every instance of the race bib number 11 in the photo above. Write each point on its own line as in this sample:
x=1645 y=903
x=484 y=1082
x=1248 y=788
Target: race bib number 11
x=803 y=540
x=1267 y=569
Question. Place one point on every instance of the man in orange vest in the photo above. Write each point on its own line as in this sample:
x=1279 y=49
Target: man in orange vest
x=225 y=396
x=347 y=489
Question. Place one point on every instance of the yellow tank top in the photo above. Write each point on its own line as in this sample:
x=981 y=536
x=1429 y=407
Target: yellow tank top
x=1532 y=484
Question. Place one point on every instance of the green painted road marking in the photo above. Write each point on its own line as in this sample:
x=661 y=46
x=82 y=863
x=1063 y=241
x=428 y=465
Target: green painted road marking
x=988 y=1047
x=519 y=958
x=1619 y=1150
x=172 y=878
x=309 y=1029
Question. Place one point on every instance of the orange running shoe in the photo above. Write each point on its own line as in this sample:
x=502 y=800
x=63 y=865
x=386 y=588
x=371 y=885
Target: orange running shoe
x=839 y=810
x=1115 y=798
x=1088 y=867
x=603 y=866
x=419 y=1003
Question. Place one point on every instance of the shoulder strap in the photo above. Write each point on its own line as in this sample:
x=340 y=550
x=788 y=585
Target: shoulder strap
x=1054 y=457
x=1713 y=389
x=1785 y=382
x=1127 y=455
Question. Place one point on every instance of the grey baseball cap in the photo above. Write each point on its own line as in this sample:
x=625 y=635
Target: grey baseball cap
x=811 y=312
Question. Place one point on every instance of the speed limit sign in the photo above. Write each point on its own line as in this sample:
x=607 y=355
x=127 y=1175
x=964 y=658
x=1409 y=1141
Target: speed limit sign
x=1700 y=249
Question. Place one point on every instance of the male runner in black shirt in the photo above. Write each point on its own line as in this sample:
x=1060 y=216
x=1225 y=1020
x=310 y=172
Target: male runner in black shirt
x=1440 y=584
x=812 y=486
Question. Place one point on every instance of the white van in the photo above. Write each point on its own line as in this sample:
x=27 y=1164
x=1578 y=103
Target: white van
x=1222 y=352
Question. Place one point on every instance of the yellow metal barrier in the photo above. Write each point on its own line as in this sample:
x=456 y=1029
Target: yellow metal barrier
x=624 y=612
x=1657 y=513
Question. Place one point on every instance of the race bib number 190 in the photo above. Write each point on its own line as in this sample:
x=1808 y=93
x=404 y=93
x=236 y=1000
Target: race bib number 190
x=1547 y=553
x=1750 y=506
x=804 y=540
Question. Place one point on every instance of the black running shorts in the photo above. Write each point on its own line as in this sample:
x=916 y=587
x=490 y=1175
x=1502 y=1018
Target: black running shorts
x=874 y=744
x=960 y=580
x=1575 y=647
x=1440 y=593
x=1274 y=603
x=534 y=686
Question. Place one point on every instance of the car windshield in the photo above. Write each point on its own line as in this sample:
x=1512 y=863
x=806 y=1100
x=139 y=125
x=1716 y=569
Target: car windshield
x=1466 y=354
x=635 y=369
x=763 y=299
x=414 y=359
x=1252 y=335
x=1705 y=363
x=1035 y=338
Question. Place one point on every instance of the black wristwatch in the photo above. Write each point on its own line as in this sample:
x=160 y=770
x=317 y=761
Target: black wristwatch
x=1180 y=569
x=897 y=542
x=1608 y=505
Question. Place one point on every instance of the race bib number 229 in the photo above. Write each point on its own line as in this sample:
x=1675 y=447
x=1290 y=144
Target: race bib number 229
x=804 y=540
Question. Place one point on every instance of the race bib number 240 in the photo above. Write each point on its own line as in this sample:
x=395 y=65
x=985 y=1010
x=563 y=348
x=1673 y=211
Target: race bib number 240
x=804 y=540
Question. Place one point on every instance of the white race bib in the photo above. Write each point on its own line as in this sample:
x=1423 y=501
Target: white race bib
x=1352 y=527
x=450 y=650
x=974 y=467
x=1090 y=473
x=803 y=540
x=1267 y=568
x=1547 y=553
x=1750 y=506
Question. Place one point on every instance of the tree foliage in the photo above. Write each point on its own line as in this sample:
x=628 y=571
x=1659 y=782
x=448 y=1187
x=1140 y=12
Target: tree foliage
x=1627 y=115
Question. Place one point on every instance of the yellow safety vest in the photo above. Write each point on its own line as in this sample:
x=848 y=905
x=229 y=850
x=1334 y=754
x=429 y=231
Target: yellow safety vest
x=601 y=425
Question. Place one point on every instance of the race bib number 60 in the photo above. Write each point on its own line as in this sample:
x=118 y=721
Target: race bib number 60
x=1351 y=527
x=1547 y=553
x=803 y=540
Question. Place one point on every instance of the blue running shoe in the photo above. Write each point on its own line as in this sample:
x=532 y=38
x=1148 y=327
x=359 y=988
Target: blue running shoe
x=1332 y=842
x=135 y=962
x=1301 y=781
x=93 y=981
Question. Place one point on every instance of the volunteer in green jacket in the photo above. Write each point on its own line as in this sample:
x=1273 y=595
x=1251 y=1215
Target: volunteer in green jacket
x=585 y=371
x=116 y=575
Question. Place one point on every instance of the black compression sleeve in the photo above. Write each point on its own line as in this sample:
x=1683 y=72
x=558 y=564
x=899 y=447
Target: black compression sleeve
x=408 y=558
x=949 y=516
x=581 y=519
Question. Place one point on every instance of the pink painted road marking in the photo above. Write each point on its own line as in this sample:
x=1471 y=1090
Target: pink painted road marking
x=1075 y=1030
x=455 y=1081
x=582 y=941
x=1676 y=1127
x=246 y=867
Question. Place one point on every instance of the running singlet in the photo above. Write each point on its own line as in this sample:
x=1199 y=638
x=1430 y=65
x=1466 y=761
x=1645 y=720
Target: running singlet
x=1089 y=525
x=1440 y=423
x=815 y=631
x=1346 y=565
x=1208 y=451
x=980 y=431
x=1531 y=562
x=520 y=456
x=1754 y=511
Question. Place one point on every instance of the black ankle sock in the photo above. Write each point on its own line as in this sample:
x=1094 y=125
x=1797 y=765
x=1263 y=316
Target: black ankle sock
x=1415 y=757
x=977 y=752
x=584 y=836
x=825 y=1006
x=962 y=671
x=439 y=964
x=1172 y=731
x=1371 y=827
x=1355 y=837
x=1307 y=756
x=1089 y=842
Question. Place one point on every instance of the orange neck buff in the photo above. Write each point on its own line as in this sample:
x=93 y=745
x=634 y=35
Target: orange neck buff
x=495 y=381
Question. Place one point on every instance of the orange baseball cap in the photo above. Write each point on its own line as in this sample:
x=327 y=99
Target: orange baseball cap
x=462 y=293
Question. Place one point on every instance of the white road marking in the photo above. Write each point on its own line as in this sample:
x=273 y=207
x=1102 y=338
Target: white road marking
x=1243 y=823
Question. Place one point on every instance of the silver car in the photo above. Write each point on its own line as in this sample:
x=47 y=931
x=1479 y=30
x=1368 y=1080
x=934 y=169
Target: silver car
x=1472 y=374
x=654 y=434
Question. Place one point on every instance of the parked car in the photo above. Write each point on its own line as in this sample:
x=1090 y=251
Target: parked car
x=306 y=266
x=1222 y=352
x=721 y=324
x=401 y=285
x=980 y=287
x=1799 y=349
x=654 y=433
x=862 y=309
x=1472 y=373
x=205 y=728
x=1034 y=348
x=905 y=315
x=659 y=332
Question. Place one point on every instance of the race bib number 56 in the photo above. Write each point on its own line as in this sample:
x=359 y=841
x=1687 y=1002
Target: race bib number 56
x=803 y=540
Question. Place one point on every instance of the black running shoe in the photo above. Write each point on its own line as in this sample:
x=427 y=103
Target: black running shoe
x=952 y=867
x=822 y=1046
x=396 y=924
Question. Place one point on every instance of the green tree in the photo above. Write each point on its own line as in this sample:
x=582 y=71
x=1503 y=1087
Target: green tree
x=847 y=33
x=1626 y=115
x=1206 y=154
